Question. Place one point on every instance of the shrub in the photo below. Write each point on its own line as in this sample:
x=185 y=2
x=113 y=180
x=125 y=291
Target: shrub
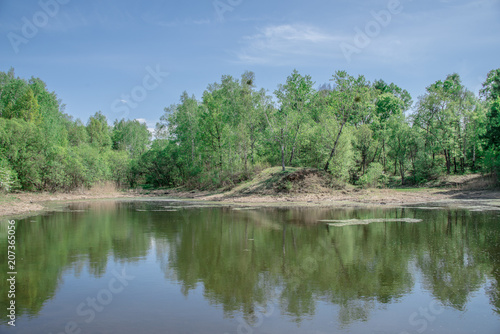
x=8 y=178
x=427 y=168
x=374 y=176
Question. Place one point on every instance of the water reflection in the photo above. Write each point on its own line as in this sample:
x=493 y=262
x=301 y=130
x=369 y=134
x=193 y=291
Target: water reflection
x=251 y=260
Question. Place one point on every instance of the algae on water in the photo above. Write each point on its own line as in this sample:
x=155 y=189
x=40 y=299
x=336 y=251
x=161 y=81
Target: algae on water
x=349 y=222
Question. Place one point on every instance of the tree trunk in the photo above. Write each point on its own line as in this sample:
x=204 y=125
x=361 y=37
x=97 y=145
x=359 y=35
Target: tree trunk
x=291 y=156
x=282 y=151
x=402 y=172
x=332 y=153
x=282 y=157
x=192 y=150
x=384 y=161
x=474 y=157
x=448 y=162
x=293 y=145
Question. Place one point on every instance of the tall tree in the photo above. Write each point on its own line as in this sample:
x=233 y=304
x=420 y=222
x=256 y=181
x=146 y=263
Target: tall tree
x=131 y=136
x=99 y=131
x=442 y=114
x=350 y=101
x=491 y=93
x=286 y=122
x=17 y=100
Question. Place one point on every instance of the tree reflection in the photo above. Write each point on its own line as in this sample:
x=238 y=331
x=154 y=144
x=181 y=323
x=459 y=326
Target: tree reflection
x=50 y=244
x=247 y=260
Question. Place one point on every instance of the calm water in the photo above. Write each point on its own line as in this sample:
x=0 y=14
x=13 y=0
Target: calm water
x=162 y=267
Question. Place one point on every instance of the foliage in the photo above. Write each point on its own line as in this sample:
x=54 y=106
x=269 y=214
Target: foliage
x=130 y=136
x=8 y=178
x=374 y=176
x=491 y=93
x=356 y=130
x=41 y=148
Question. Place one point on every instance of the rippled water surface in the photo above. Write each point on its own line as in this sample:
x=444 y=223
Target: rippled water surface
x=171 y=267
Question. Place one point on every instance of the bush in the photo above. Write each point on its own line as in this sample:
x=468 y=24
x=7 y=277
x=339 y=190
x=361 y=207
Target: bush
x=119 y=164
x=22 y=145
x=491 y=163
x=8 y=178
x=374 y=176
x=426 y=168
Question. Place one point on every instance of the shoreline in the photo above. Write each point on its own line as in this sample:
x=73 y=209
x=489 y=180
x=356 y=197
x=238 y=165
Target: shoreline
x=25 y=203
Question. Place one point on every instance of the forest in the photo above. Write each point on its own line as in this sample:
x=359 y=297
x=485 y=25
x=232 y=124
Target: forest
x=359 y=132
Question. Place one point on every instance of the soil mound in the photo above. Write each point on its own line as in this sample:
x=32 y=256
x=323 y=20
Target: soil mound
x=274 y=181
x=305 y=181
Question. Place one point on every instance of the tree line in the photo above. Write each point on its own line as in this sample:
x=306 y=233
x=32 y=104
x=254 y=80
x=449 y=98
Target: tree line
x=358 y=131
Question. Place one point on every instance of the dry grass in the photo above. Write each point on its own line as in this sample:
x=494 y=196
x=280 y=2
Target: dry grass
x=478 y=182
x=104 y=188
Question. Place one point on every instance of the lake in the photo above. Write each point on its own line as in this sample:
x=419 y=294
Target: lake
x=177 y=267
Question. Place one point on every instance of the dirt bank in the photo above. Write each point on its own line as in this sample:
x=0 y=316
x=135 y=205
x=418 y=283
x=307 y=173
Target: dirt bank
x=27 y=202
x=339 y=198
x=271 y=187
x=314 y=187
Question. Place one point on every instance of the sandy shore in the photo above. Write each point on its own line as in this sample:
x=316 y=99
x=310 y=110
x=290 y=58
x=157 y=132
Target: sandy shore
x=26 y=203
x=350 y=198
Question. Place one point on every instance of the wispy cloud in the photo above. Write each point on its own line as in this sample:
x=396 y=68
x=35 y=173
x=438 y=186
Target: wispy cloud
x=417 y=35
x=281 y=44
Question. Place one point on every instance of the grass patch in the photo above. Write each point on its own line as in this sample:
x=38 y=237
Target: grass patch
x=414 y=189
x=8 y=198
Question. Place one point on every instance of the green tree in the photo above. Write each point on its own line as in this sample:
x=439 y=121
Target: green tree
x=181 y=124
x=287 y=121
x=54 y=122
x=77 y=132
x=23 y=147
x=131 y=136
x=18 y=101
x=399 y=141
x=444 y=114
x=491 y=94
x=390 y=100
x=99 y=131
x=349 y=103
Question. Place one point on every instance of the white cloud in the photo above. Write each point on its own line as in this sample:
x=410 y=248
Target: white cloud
x=281 y=44
x=293 y=33
x=150 y=124
x=417 y=35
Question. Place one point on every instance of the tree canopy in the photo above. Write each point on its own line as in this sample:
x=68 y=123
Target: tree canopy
x=358 y=131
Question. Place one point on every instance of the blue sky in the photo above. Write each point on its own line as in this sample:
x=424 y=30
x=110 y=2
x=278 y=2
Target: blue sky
x=114 y=56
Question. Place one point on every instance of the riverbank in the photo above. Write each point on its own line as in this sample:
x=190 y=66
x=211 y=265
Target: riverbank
x=344 y=198
x=29 y=203
x=312 y=187
x=272 y=187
